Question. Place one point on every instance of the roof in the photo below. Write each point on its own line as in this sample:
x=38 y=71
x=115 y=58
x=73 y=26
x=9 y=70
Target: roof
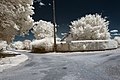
x=65 y=36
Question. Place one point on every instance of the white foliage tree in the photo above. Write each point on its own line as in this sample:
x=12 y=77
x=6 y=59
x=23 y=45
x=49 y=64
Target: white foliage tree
x=90 y=27
x=15 y=18
x=3 y=45
x=43 y=29
x=18 y=45
x=27 y=44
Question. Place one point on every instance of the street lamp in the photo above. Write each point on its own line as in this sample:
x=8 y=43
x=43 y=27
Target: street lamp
x=54 y=23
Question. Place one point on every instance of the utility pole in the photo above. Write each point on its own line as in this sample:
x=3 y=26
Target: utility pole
x=54 y=23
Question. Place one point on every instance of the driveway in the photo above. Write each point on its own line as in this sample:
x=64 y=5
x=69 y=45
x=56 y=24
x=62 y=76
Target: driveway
x=98 y=65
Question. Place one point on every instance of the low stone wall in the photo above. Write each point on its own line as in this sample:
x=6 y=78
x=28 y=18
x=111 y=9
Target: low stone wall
x=118 y=40
x=86 y=45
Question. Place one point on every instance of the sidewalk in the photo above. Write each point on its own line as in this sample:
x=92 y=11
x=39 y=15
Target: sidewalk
x=9 y=62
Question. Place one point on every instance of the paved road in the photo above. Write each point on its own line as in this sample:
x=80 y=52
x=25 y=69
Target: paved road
x=75 y=66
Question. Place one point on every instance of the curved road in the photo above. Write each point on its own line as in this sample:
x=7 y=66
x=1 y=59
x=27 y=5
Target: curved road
x=103 y=65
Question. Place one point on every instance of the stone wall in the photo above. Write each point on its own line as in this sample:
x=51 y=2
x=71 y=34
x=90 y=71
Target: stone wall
x=86 y=45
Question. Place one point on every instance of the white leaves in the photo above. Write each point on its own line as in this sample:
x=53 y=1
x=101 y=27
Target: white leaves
x=15 y=18
x=16 y=27
x=18 y=45
x=90 y=27
x=3 y=45
x=27 y=44
x=43 y=29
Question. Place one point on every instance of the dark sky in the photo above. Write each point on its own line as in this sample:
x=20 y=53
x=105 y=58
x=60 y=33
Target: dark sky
x=70 y=10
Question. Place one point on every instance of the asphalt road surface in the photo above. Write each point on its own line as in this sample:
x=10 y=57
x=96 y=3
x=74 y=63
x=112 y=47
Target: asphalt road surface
x=103 y=65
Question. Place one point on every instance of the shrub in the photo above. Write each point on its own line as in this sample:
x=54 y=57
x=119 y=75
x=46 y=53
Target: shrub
x=90 y=27
x=43 y=45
